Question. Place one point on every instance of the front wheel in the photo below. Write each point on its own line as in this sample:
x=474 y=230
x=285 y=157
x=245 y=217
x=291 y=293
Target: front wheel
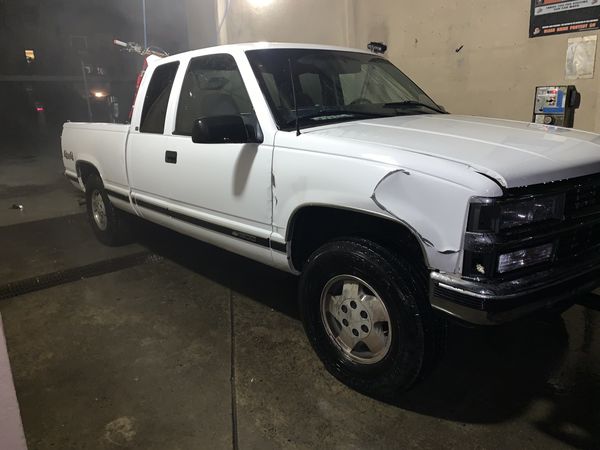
x=110 y=225
x=366 y=314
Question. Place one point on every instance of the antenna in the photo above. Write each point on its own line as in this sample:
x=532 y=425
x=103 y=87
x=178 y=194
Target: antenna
x=294 y=97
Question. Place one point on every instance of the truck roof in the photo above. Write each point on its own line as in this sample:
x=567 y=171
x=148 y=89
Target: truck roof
x=257 y=46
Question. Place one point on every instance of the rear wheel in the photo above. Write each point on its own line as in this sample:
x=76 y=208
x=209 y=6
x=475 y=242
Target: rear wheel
x=366 y=314
x=110 y=225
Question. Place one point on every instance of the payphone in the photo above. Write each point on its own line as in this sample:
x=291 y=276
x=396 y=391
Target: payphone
x=556 y=105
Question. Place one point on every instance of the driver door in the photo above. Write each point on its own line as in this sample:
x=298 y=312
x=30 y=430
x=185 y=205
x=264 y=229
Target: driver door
x=226 y=187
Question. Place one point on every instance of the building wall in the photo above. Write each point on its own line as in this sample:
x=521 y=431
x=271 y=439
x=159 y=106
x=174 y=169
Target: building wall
x=201 y=23
x=496 y=71
x=310 y=21
x=494 y=74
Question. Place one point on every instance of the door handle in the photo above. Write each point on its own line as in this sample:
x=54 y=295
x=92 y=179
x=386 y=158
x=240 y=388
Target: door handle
x=171 y=157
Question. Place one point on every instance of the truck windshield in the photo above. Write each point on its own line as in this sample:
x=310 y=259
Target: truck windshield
x=334 y=86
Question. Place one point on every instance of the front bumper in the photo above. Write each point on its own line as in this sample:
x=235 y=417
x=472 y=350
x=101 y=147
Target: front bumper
x=494 y=303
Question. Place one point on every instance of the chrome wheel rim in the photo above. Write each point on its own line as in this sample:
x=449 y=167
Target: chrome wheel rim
x=99 y=210
x=356 y=319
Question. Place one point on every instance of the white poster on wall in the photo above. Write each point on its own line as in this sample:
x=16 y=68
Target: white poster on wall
x=581 y=57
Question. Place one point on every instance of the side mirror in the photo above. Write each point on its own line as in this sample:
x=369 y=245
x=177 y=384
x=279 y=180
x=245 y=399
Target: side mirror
x=221 y=130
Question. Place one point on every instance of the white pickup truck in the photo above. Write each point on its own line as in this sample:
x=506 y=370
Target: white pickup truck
x=331 y=163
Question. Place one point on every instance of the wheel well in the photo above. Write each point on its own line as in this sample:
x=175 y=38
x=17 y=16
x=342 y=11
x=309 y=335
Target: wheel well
x=85 y=169
x=313 y=226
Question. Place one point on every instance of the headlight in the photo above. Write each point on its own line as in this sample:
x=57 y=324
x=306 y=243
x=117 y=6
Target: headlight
x=493 y=215
x=532 y=210
x=498 y=234
x=525 y=257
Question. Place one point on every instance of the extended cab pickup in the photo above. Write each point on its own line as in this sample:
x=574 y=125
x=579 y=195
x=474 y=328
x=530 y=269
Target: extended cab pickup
x=331 y=163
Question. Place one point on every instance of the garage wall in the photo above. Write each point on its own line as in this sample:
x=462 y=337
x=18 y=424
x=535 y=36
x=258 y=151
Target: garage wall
x=201 y=23
x=496 y=71
x=309 y=21
x=494 y=74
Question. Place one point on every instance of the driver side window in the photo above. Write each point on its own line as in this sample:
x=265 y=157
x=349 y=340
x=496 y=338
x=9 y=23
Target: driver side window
x=212 y=86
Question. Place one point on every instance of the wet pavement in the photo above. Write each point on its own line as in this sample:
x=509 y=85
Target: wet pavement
x=31 y=175
x=57 y=244
x=204 y=349
x=141 y=358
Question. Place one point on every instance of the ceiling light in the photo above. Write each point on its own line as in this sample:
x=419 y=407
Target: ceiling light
x=260 y=3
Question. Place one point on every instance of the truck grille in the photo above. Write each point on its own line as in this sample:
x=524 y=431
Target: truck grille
x=581 y=202
x=583 y=196
x=579 y=241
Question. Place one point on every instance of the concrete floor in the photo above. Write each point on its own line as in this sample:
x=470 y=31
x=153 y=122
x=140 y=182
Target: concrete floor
x=204 y=349
x=31 y=175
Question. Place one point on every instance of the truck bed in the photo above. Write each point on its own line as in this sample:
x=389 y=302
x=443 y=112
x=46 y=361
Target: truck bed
x=101 y=144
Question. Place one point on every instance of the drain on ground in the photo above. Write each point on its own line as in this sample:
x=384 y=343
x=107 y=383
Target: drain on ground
x=59 y=277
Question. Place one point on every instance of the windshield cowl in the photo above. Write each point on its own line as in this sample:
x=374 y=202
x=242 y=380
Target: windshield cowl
x=329 y=117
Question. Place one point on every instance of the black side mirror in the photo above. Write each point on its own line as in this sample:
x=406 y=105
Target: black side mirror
x=221 y=130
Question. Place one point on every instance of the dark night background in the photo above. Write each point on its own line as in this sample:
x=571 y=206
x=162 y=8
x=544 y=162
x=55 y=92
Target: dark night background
x=64 y=34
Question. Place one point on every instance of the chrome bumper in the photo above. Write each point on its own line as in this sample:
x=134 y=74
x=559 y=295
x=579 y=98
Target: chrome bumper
x=495 y=303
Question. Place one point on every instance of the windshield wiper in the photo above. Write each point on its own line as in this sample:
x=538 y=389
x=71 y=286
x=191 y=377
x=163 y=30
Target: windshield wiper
x=413 y=103
x=326 y=115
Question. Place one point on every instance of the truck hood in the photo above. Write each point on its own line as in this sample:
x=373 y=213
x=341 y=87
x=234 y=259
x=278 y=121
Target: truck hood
x=513 y=153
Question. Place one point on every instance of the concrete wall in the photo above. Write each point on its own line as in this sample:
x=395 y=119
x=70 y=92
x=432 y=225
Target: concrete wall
x=494 y=74
x=309 y=21
x=202 y=23
x=496 y=71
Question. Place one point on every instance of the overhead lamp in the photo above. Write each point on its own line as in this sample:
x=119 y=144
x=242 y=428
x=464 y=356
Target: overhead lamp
x=260 y=3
